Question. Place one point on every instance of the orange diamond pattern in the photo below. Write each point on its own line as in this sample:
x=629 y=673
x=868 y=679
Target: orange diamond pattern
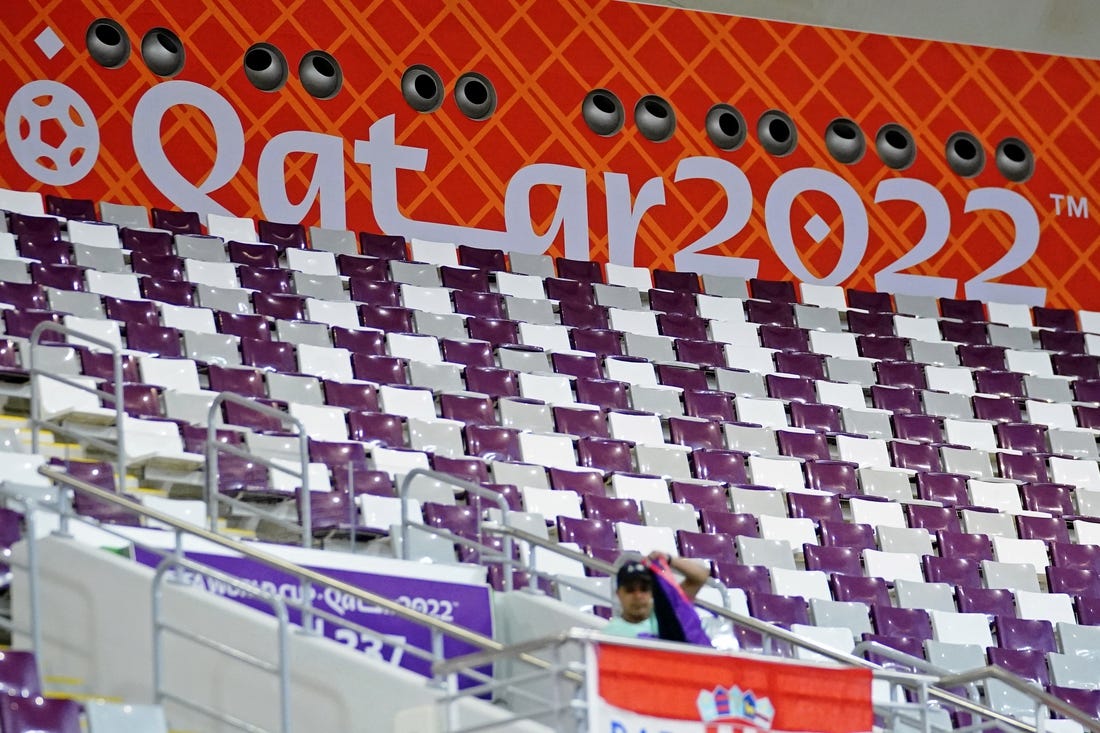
x=543 y=56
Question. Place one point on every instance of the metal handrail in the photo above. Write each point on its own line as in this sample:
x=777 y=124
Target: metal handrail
x=993 y=672
x=213 y=447
x=439 y=628
x=36 y=419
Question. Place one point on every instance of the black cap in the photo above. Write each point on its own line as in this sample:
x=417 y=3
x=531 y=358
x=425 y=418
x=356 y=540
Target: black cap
x=633 y=571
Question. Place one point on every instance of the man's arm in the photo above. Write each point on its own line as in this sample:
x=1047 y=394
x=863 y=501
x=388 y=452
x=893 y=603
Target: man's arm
x=695 y=574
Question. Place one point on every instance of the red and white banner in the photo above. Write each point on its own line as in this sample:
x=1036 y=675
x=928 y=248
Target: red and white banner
x=637 y=689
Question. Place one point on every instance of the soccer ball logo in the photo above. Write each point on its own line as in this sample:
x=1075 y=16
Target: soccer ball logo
x=52 y=132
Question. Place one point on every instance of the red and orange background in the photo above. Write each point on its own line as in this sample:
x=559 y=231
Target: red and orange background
x=543 y=56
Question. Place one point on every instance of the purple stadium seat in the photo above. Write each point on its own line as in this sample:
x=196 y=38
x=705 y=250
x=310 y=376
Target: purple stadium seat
x=962 y=310
x=165 y=267
x=784 y=338
x=1062 y=342
x=466 y=352
x=1048 y=529
x=158 y=340
x=839 y=477
x=463 y=467
x=1087 y=701
x=911 y=645
x=726 y=466
x=580 y=481
x=890 y=621
x=982 y=356
x=138 y=400
x=586 y=532
x=901 y=374
x=1088 y=610
x=1088 y=416
x=869 y=300
x=281 y=235
x=1007 y=384
x=1081 y=582
x=486 y=259
x=493 y=442
x=997 y=408
x=701 y=352
x=576 y=365
x=101 y=475
x=778 y=609
x=1067 y=555
x=147 y=241
x=44 y=250
x=771 y=313
x=280 y=305
x=1026 y=467
x=496 y=331
x=709 y=404
x=696 y=433
x=462 y=278
x=177 y=222
x=922 y=457
x=21 y=323
x=847 y=534
x=957 y=571
x=749 y=578
x=1014 y=633
x=964 y=544
x=780 y=290
x=336 y=454
x=511 y=494
x=895 y=399
x=381 y=369
x=807 y=446
x=711 y=497
x=611 y=509
x=244 y=416
x=1059 y=319
x=175 y=292
x=687 y=282
x=253 y=259
x=872 y=323
x=817 y=507
x=990 y=601
x=350 y=395
x=472 y=409
x=974 y=334
x=672 y=301
x=386 y=317
x=932 y=518
x=684 y=377
x=271 y=280
x=945 y=488
x=791 y=388
x=23 y=295
x=377 y=428
x=36 y=714
x=381 y=245
x=573 y=269
x=600 y=341
x=609 y=394
x=62 y=277
x=245 y=381
x=580 y=421
x=1086 y=390
x=375 y=292
x=245 y=325
x=271 y=355
x=19 y=673
x=841 y=560
x=572 y=291
x=803 y=364
x=67 y=208
x=606 y=454
x=735 y=524
x=100 y=364
x=882 y=347
x=363 y=269
x=359 y=340
x=1025 y=437
x=1031 y=664
x=493 y=381
x=706 y=545
x=582 y=314
x=860 y=588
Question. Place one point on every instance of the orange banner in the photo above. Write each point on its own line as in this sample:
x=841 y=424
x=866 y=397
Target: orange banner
x=586 y=128
x=647 y=689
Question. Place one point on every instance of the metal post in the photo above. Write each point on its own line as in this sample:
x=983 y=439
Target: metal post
x=284 y=665
x=33 y=585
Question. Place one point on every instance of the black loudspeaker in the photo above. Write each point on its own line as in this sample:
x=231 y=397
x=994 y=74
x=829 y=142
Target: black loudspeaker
x=422 y=88
x=895 y=146
x=845 y=141
x=726 y=127
x=162 y=51
x=777 y=133
x=1015 y=160
x=603 y=112
x=654 y=118
x=475 y=96
x=321 y=75
x=107 y=43
x=965 y=154
x=266 y=67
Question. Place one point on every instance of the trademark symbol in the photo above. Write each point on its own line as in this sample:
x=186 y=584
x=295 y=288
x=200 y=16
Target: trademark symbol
x=1075 y=207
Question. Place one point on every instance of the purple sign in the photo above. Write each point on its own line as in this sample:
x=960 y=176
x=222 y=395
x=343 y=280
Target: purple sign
x=468 y=606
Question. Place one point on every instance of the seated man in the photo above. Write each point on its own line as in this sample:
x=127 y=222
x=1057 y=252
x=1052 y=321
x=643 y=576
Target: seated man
x=634 y=585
